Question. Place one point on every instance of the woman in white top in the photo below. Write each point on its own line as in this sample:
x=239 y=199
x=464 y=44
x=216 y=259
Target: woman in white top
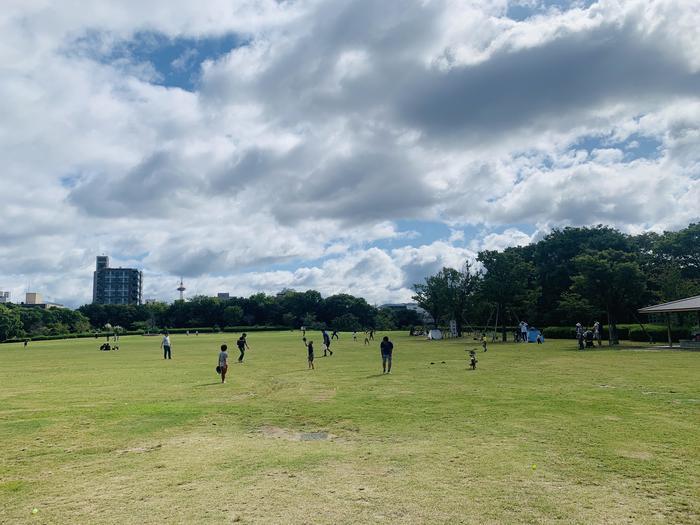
x=165 y=345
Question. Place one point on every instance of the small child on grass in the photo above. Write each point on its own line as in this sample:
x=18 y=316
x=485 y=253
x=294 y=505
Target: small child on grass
x=310 y=349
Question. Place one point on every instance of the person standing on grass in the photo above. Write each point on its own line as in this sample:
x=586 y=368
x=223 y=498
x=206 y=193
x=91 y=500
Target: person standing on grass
x=483 y=342
x=579 y=335
x=335 y=334
x=386 y=347
x=596 y=333
x=523 y=331
x=326 y=343
x=310 y=353
x=371 y=335
x=223 y=362
x=26 y=342
x=354 y=336
x=366 y=337
x=165 y=345
x=242 y=346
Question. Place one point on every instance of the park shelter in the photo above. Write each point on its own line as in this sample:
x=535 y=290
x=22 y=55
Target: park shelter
x=691 y=304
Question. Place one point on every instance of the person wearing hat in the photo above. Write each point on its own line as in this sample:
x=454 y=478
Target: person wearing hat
x=579 y=335
x=596 y=333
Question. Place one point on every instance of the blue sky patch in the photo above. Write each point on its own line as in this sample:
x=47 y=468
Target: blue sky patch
x=634 y=147
x=523 y=10
x=175 y=62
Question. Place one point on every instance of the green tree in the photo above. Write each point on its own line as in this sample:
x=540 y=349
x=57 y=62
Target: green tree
x=612 y=281
x=346 y=323
x=233 y=315
x=10 y=323
x=509 y=283
x=432 y=296
x=554 y=256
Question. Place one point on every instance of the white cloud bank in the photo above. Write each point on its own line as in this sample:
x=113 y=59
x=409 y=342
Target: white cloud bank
x=334 y=121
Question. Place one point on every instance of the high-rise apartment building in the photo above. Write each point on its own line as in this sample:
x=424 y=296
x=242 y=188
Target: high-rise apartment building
x=4 y=297
x=116 y=285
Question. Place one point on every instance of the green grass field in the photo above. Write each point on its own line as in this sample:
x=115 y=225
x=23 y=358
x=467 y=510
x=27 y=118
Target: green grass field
x=538 y=434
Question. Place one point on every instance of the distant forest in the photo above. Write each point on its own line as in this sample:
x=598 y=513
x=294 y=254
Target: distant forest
x=571 y=275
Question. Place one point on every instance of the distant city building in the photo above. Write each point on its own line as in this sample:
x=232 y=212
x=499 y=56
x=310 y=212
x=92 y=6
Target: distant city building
x=116 y=285
x=223 y=296
x=151 y=301
x=4 y=297
x=34 y=300
x=181 y=289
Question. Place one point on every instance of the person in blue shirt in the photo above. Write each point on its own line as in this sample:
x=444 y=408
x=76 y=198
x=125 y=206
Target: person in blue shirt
x=327 y=343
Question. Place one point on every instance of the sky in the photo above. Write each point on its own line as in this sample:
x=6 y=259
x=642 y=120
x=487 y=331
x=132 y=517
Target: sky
x=342 y=145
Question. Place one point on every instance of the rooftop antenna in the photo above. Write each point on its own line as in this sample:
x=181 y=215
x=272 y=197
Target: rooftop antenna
x=181 y=289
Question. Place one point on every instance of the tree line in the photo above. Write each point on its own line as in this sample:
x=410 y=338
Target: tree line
x=287 y=309
x=571 y=275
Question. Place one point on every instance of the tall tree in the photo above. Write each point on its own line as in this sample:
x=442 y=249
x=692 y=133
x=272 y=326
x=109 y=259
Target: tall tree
x=553 y=257
x=10 y=323
x=432 y=296
x=509 y=283
x=612 y=281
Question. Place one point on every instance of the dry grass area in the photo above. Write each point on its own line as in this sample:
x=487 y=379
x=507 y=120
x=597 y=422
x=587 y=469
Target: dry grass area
x=536 y=435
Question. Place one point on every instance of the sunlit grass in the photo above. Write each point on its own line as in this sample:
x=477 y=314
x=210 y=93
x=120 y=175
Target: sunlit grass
x=535 y=434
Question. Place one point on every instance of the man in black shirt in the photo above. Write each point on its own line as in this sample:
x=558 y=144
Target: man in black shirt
x=242 y=346
x=386 y=347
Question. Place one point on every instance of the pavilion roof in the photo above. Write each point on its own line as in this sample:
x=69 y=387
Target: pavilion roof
x=691 y=304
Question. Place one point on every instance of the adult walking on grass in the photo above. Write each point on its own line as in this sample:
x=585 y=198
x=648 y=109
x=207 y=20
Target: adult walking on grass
x=166 y=346
x=242 y=346
x=223 y=362
x=387 y=348
x=326 y=343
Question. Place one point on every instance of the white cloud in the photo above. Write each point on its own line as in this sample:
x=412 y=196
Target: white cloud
x=335 y=121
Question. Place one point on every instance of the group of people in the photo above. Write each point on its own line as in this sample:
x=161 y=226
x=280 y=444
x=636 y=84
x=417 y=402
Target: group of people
x=587 y=336
x=386 y=348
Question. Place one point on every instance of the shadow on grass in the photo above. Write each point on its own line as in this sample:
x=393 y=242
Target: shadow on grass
x=208 y=384
x=374 y=375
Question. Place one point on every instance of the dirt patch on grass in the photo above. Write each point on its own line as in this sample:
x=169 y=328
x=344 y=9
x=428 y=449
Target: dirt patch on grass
x=325 y=395
x=140 y=450
x=292 y=435
x=636 y=454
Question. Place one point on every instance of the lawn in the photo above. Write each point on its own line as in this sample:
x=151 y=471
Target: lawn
x=538 y=434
